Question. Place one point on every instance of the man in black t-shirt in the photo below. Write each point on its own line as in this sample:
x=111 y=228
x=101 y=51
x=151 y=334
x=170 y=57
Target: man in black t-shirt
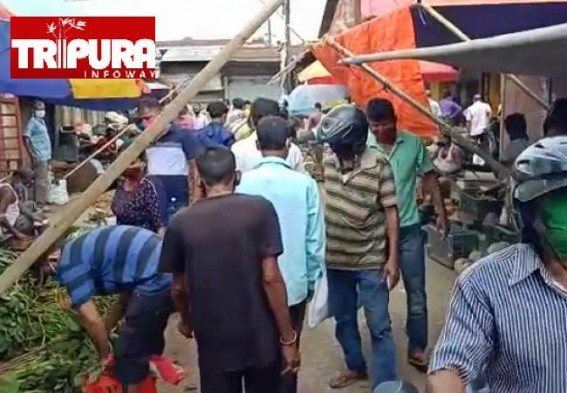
x=227 y=286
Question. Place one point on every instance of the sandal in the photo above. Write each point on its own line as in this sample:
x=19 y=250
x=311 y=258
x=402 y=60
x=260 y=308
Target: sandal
x=420 y=363
x=346 y=378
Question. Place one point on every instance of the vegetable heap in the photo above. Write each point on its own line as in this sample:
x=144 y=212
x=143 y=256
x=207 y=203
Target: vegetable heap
x=43 y=347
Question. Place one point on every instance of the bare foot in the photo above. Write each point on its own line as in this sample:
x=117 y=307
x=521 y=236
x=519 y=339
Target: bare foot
x=419 y=359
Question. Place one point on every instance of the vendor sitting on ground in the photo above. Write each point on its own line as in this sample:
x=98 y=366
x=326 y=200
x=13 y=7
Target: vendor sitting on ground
x=17 y=214
x=120 y=260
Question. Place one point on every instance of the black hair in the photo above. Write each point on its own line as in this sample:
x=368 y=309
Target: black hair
x=447 y=94
x=148 y=103
x=247 y=102
x=216 y=165
x=380 y=109
x=516 y=126
x=273 y=133
x=318 y=106
x=263 y=107
x=238 y=103
x=217 y=109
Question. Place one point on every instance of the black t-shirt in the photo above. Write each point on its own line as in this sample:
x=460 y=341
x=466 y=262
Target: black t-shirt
x=219 y=243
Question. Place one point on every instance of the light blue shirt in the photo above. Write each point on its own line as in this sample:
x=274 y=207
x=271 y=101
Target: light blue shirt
x=295 y=197
x=38 y=136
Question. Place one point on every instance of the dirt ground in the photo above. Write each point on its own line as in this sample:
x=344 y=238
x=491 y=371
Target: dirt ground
x=321 y=354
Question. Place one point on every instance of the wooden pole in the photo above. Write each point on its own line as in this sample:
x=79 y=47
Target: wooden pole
x=114 y=138
x=446 y=129
x=96 y=153
x=101 y=184
x=461 y=35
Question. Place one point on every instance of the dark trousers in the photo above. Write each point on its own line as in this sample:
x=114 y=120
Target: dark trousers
x=297 y=314
x=254 y=379
x=257 y=379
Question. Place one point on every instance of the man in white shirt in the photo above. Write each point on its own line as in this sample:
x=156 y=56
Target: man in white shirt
x=246 y=150
x=434 y=106
x=478 y=116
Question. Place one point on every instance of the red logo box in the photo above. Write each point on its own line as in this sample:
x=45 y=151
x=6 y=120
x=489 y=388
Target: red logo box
x=82 y=47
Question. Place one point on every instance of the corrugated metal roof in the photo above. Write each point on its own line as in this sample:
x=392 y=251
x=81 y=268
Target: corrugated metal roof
x=190 y=54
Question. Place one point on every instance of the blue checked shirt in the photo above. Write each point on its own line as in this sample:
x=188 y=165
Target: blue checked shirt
x=508 y=317
x=295 y=197
x=38 y=136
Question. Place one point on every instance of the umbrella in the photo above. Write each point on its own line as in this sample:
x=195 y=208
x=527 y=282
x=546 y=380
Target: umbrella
x=316 y=74
x=303 y=98
x=106 y=94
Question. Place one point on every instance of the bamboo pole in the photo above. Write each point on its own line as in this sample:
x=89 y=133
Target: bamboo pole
x=115 y=137
x=101 y=184
x=96 y=153
x=461 y=35
x=446 y=129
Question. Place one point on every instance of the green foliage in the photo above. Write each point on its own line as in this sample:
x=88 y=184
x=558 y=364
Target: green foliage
x=43 y=347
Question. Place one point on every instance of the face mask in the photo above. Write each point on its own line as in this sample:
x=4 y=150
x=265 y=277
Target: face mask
x=554 y=217
x=40 y=114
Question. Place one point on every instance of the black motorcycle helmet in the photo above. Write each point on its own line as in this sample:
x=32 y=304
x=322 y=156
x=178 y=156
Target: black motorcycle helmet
x=538 y=170
x=345 y=129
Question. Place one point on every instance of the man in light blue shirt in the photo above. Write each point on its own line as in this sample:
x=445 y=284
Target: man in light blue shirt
x=295 y=197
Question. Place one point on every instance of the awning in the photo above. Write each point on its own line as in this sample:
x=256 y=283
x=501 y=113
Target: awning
x=533 y=52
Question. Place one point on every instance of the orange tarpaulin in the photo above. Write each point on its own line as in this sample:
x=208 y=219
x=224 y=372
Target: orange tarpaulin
x=390 y=32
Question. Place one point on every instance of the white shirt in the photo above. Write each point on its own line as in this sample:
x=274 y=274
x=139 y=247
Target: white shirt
x=435 y=108
x=478 y=115
x=247 y=155
x=13 y=209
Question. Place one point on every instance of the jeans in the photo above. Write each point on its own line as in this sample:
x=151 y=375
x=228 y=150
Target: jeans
x=412 y=266
x=374 y=297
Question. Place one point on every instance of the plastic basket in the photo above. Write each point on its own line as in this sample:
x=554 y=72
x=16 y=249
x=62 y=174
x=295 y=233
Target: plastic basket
x=475 y=207
x=107 y=384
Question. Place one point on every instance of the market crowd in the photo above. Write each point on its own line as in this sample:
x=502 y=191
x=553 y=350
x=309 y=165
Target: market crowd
x=219 y=222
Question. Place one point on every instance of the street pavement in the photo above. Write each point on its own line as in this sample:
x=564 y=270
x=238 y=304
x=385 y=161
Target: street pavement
x=321 y=354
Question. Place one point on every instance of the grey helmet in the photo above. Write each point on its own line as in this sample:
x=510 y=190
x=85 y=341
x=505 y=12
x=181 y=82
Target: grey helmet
x=345 y=126
x=540 y=169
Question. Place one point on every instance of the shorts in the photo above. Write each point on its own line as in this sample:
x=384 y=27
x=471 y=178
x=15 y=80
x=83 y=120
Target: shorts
x=141 y=335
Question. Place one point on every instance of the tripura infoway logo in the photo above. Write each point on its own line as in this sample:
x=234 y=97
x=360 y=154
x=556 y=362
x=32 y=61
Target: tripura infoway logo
x=83 y=47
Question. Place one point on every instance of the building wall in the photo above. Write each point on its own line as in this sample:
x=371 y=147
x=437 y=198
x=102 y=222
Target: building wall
x=251 y=87
x=345 y=16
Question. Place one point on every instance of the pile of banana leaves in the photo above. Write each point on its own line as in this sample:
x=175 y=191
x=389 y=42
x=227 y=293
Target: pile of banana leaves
x=43 y=347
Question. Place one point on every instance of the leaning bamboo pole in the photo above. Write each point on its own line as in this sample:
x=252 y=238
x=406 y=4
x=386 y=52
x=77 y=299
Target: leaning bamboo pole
x=446 y=129
x=461 y=35
x=72 y=212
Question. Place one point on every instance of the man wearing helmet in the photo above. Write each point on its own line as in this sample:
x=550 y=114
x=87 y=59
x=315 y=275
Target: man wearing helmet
x=508 y=311
x=362 y=243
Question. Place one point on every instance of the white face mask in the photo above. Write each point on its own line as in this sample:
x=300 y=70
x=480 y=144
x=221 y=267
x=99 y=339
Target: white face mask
x=40 y=113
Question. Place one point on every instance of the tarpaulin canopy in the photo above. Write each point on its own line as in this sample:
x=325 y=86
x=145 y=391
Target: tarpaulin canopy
x=390 y=32
x=533 y=52
x=106 y=94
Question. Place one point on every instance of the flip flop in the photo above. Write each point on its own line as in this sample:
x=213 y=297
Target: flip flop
x=420 y=364
x=345 y=379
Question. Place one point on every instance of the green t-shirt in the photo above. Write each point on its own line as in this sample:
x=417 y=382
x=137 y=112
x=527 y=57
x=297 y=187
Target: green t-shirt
x=408 y=159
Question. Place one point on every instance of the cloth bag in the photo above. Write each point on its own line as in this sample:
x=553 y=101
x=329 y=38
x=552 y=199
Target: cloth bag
x=318 y=309
x=58 y=194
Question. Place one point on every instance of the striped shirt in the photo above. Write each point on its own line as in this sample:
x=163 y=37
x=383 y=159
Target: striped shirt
x=507 y=316
x=110 y=260
x=354 y=212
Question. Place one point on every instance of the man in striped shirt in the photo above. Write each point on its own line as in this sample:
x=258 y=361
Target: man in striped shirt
x=120 y=260
x=362 y=243
x=508 y=312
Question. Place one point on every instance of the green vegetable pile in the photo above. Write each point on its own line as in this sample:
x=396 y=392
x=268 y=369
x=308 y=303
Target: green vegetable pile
x=43 y=347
